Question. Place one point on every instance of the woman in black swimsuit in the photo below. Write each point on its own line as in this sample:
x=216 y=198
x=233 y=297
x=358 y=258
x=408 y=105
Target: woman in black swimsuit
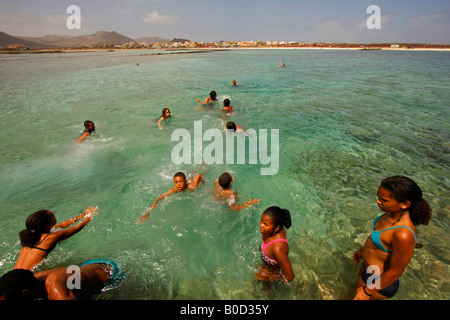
x=37 y=239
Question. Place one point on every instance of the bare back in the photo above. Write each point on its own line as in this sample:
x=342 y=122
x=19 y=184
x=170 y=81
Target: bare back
x=30 y=257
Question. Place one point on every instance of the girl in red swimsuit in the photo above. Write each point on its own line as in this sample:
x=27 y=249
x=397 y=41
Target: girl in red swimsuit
x=275 y=248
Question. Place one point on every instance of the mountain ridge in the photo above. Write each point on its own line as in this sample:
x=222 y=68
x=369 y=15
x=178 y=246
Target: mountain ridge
x=57 y=41
x=6 y=40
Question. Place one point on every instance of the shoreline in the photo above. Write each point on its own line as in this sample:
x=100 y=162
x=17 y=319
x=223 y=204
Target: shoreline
x=340 y=48
x=200 y=50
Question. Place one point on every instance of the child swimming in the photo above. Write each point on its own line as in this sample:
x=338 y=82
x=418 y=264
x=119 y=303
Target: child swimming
x=227 y=105
x=165 y=115
x=212 y=97
x=89 y=128
x=223 y=191
x=275 y=248
x=234 y=127
x=181 y=184
x=38 y=240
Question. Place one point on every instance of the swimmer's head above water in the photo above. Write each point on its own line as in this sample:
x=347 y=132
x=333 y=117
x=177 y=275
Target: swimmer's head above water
x=225 y=180
x=179 y=179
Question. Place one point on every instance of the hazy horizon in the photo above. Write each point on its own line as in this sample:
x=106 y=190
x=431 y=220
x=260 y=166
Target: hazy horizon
x=211 y=20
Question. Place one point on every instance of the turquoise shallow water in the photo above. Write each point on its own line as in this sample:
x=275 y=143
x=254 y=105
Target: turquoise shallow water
x=346 y=119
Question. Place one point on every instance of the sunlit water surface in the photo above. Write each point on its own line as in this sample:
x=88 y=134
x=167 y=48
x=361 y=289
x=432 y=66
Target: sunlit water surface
x=346 y=120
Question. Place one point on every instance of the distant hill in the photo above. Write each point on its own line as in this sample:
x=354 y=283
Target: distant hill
x=151 y=40
x=180 y=40
x=6 y=40
x=98 y=38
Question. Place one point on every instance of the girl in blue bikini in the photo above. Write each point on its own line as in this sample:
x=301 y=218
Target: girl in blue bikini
x=389 y=248
x=275 y=248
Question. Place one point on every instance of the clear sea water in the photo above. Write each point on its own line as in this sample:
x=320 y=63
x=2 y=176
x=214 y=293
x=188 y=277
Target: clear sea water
x=347 y=119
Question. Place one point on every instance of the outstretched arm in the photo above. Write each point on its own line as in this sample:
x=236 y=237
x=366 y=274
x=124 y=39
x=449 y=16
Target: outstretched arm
x=84 y=136
x=207 y=100
x=67 y=233
x=237 y=207
x=147 y=213
x=67 y=223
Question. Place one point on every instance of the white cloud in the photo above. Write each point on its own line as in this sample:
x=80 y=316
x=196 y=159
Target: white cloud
x=55 y=19
x=155 y=18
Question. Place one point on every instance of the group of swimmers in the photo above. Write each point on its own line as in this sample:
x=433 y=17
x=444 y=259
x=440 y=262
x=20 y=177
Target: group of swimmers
x=384 y=256
x=274 y=248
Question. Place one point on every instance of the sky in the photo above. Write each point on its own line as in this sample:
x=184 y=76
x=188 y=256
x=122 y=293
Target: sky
x=338 y=21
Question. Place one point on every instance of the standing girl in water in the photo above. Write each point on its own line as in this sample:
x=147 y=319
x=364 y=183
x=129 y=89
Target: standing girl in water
x=275 y=248
x=389 y=248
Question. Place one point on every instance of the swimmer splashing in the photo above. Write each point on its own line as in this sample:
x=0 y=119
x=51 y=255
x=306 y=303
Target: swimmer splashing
x=181 y=184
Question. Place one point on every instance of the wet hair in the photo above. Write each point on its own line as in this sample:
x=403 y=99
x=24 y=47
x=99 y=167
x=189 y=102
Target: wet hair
x=226 y=102
x=280 y=217
x=87 y=123
x=180 y=174
x=37 y=223
x=225 y=180
x=404 y=189
x=213 y=95
x=231 y=126
x=164 y=112
x=15 y=281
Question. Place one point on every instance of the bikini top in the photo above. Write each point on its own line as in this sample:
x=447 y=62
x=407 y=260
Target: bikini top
x=375 y=236
x=268 y=260
x=45 y=250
